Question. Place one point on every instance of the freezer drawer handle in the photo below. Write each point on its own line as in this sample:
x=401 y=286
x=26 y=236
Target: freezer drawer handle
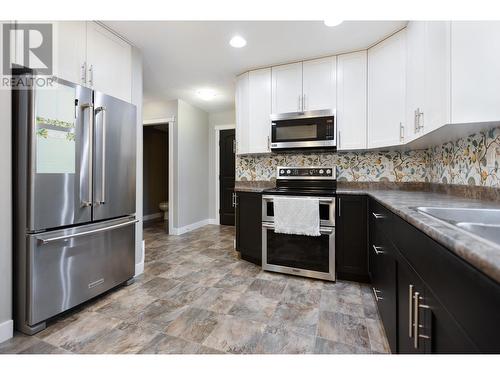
x=44 y=241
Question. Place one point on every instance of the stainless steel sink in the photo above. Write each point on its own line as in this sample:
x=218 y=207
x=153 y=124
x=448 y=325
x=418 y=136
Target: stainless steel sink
x=484 y=223
x=464 y=215
x=488 y=232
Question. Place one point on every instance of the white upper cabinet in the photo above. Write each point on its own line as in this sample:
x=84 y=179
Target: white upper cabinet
x=386 y=91
x=319 y=84
x=70 y=48
x=287 y=88
x=415 y=60
x=242 y=115
x=109 y=62
x=259 y=88
x=475 y=56
x=427 y=78
x=351 y=100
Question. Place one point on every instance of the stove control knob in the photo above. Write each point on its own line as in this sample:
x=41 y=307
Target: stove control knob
x=328 y=171
x=321 y=171
x=282 y=171
x=311 y=171
x=288 y=171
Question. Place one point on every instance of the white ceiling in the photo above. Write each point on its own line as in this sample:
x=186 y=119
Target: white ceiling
x=181 y=57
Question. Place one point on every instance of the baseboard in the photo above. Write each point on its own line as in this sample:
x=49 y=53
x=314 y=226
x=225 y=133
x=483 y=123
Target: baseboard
x=190 y=227
x=139 y=267
x=6 y=330
x=152 y=216
x=213 y=222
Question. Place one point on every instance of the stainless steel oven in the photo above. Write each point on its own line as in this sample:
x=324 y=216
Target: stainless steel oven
x=326 y=210
x=299 y=255
x=309 y=256
x=314 y=129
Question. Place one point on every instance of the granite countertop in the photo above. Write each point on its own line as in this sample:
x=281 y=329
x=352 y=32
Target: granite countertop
x=480 y=253
x=253 y=186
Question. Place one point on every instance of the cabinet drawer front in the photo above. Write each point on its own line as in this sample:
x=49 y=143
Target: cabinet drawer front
x=468 y=295
x=380 y=218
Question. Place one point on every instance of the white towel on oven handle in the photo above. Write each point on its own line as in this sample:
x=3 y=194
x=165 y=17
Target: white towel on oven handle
x=296 y=215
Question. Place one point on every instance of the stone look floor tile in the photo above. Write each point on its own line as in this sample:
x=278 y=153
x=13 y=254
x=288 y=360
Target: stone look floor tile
x=164 y=344
x=343 y=328
x=324 y=346
x=253 y=306
x=267 y=288
x=125 y=339
x=197 y=297
x=82 y=331
x=193 y=324
x=218 y=300
x=295 y=318
x=284 y=341
x=234 y=335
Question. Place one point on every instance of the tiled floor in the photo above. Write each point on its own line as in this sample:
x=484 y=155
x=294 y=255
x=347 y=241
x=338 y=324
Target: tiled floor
x=195 y=296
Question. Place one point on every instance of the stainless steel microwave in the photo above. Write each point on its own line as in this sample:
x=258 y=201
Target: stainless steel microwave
x=304 y=130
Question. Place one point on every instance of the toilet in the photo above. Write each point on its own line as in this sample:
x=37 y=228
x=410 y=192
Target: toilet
x=164 y=207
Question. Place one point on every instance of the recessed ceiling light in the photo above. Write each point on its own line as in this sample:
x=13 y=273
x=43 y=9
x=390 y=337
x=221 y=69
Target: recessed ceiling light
x=332 y=22
x=237 y=42
x=206 y=94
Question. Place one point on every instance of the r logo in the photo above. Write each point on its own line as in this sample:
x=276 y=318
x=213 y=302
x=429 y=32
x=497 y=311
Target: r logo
x=28 y=45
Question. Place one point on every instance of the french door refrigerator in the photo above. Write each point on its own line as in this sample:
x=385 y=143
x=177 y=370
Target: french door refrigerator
x=74 y=197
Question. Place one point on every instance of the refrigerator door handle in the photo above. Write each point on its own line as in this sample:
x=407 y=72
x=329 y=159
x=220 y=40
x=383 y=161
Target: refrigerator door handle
x=44 y=241
x=103 y=156
x=88 y=202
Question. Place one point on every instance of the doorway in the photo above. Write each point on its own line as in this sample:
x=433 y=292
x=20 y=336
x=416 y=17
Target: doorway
x=227 y=154
x=155 y=175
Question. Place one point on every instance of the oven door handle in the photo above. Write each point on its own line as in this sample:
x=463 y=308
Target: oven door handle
x=269 y=198
x=322 y=230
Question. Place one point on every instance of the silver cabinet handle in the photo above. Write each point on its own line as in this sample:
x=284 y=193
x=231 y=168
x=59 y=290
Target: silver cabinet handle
x=338 y=140
x=300 y=103
x=268 y=143
x=91 y=75
x=234 y=146
x=378 y=216
x=83 y=75
x=401 y=132
x=375 y=293
x=410 y=310
x=340 y=206
x=378 y=250
x=90 y=106
x=103 y=159
x=44 y=241
x=304 y=102
x=232 y=199
x=416 y=297
x=420 y=123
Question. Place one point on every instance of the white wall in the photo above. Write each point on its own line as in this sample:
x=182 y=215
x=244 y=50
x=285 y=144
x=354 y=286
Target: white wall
x=5 y=213
x=215 y=119
x=192 y=165
x=137 y=101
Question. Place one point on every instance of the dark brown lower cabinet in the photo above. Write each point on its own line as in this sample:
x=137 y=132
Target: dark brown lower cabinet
x=351 y=238
x=382 y=270
x=429 y=299
x=249 y=226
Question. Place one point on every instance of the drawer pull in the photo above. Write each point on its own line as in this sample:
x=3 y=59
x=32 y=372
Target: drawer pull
x=378 y=216
x=378 y=250
x=410 y=311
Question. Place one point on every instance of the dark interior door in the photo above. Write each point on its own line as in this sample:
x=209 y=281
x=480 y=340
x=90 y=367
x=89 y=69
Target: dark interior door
x=226 y=176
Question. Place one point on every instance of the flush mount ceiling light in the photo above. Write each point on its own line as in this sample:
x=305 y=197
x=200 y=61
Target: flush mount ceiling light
x=237 y=42
x=206 y=94
x=332 y=22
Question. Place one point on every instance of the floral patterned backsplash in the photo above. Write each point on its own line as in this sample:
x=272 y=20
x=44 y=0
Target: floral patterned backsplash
x=473 y=160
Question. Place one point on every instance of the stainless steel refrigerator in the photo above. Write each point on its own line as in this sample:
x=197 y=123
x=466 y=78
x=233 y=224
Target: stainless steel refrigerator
x=74 y=197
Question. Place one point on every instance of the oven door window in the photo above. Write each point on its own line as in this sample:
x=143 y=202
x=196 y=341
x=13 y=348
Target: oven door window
x=324 y=212
x=295 y=251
